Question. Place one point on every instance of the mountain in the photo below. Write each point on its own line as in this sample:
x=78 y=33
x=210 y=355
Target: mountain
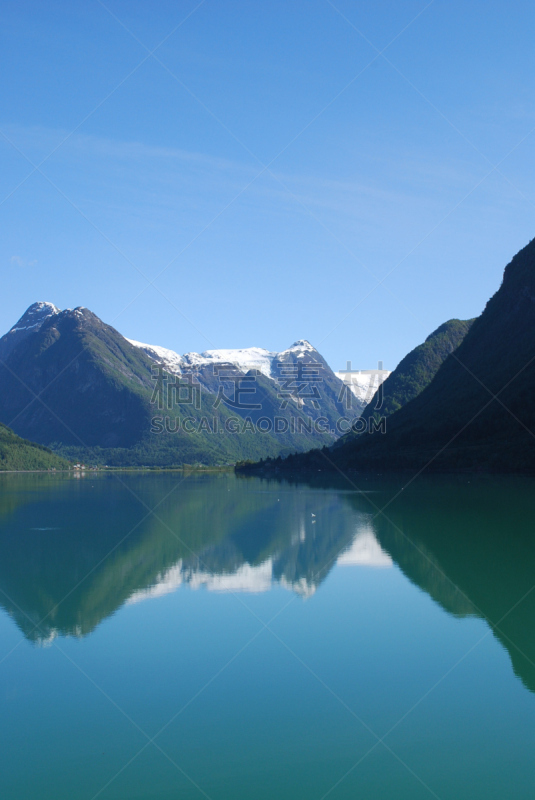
x=362 y=383
x=72 y=382
x=413 y=373
x=19 y=454
x=279 y=376
x=419 y=367
x=75 y=380
x=477 y=414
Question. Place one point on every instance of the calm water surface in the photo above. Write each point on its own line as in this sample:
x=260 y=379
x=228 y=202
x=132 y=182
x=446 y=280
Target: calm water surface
x=254 y=639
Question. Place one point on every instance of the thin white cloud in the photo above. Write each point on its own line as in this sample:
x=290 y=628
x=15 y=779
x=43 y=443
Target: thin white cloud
x=17 y=261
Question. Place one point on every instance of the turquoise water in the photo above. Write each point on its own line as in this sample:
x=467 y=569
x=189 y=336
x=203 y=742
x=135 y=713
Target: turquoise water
x=221 y=637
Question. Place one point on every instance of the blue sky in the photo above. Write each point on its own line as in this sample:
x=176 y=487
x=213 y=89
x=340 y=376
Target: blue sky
x=353 y=173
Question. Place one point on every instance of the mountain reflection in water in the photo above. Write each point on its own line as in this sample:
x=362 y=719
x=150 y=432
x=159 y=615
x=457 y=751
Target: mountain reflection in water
x=73 y=552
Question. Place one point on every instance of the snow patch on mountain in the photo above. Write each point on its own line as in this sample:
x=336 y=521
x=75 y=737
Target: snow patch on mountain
x=35 y=316
x=244 y=358
x=299 y=348
x=363 y=383
x=31 y=321
x=168 y=359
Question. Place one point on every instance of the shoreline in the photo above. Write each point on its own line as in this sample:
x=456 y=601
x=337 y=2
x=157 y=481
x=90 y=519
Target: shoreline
x=94 y=470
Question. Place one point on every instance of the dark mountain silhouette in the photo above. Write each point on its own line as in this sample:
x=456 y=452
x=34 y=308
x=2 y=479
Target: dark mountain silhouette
x=477 y=414
x=470 y=546
x=419 y=367
x=412 y=374
x=466 y=540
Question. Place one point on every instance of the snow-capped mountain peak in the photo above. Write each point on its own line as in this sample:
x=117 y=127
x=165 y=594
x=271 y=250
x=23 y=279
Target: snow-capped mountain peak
x=244 y=359
x=300 y=346
x=299 y=349
x=31 y=321
x=35 y=316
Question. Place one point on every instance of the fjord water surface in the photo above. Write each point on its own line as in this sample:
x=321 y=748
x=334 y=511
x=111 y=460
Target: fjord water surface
x=167 y=636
